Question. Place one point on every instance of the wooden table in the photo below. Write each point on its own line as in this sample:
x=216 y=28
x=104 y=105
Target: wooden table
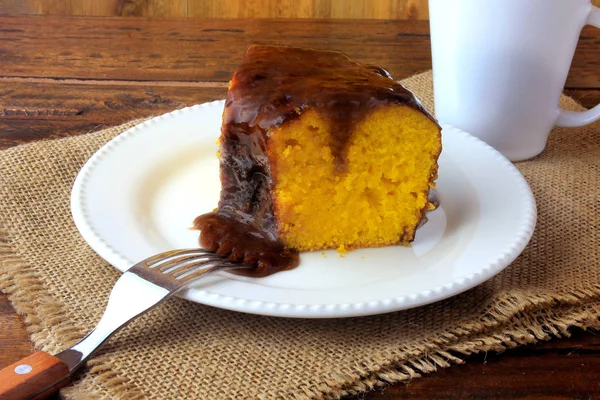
x=62 y=76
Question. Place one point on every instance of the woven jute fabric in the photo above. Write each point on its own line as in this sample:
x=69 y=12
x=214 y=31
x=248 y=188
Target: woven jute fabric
x=183 y=350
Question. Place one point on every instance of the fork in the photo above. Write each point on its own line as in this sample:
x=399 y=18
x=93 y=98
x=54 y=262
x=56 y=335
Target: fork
x=139 y=289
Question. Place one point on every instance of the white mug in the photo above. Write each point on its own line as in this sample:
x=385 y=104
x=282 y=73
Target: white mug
x=499 y=67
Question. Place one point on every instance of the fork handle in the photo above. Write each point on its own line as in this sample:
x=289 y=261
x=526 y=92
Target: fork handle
x=34 y=377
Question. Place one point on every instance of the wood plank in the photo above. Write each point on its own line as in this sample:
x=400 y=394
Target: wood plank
x=13 y=336
x=258 y=9
x=107 y=8
x=51 y=109
x=191 y=50
x=355 y=9
x=558 y=369
x=146 y=8
x=401 y=10
x=586 y=97
x=350 y=9
x=15 y=7
x=209 y=50
x=14 y=340
x=585 y=71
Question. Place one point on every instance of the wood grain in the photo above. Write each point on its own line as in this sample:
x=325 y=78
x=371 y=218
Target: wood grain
x=586 y=97
x=350 y=9
x=345 y=9
x=186 y=50
x=148 y=8
x=52 y=109
x=14 y=341
x=116 y=8
x=191 y=50
x=47 y=374
x=559 y=369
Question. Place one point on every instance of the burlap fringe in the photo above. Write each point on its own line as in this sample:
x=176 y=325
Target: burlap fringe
x=48 y=326
x=46 y=322
x=44 y=318
x=522 y=328
x=512 y=321
x=527 y=318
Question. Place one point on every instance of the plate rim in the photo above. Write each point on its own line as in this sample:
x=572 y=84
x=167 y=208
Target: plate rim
x=457 y=286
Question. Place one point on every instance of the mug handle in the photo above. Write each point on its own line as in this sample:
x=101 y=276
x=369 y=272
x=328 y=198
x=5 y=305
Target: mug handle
x=570 y=119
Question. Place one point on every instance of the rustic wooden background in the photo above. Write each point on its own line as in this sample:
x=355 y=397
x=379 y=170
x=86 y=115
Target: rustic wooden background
x=348 y=9
x=360 y=9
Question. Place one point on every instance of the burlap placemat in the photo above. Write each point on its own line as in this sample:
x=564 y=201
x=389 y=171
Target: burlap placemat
x=183 y=350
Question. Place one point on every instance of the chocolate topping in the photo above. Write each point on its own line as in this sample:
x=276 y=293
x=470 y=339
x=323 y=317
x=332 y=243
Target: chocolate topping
x=274 y=84
x=243 y=242
x=271 y=86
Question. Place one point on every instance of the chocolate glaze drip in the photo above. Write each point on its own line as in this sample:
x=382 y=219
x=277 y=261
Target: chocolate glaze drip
x=271 y=86
x=244 y=242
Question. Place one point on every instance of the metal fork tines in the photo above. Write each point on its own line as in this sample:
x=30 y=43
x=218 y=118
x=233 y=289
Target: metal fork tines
x=142 y=287
x=174 y=269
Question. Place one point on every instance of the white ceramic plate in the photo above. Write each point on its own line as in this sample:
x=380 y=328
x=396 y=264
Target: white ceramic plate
x=139 y=194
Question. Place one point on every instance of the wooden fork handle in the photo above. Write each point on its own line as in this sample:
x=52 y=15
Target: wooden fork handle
x=35 y=377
